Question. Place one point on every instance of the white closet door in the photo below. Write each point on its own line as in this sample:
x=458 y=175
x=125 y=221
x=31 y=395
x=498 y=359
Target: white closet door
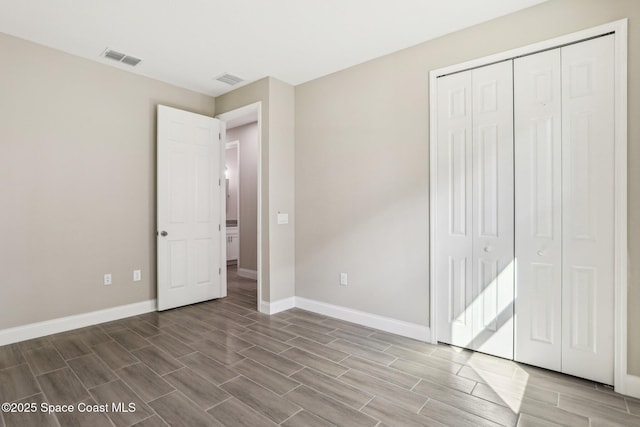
x=538 y=206
x=454 y=210
x=493 y=209
x=474 y=264
x=588 y=215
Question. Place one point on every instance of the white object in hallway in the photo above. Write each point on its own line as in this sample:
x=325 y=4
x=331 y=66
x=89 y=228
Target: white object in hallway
x=190 y=209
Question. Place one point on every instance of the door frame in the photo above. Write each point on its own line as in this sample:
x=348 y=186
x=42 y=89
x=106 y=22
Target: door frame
x=623 y=382
x=254 y=108
x=230 y=145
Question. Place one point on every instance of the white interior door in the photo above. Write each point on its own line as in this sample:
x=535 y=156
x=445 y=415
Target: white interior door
x=190 y=209
x=454 y=210
x=588 y=213
x=493 y=263
x=538 y=206
x=474 y=209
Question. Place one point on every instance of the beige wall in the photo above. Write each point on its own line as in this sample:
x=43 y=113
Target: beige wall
x=77 y=182
x=247 y=136
x=281 y=188
x=362 y=187
x=277 y=163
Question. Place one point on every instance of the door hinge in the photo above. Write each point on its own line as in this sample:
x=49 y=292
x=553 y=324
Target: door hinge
x=219 y=228
x=219 y=136
x=219 y=182
x=219 y=271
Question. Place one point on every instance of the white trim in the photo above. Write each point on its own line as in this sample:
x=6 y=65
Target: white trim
x=623 y=382
x=248 y=274
x=63 y=324
x=277 y=306
x=632 y=384
x=225 y=117
x=387 y=324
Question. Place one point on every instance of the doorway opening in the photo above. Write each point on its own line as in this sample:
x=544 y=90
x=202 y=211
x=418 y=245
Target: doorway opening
x=241 y=131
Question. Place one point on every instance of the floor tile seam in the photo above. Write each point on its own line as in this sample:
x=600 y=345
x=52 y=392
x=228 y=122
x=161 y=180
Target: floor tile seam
x=59 y=355
x=29 y=396
x=338 y=402
x=599 y=405
x=589 y=400
x=388 y=382
x=129 y=385
x=34 y=377
x=229 y=397
x=418 y=379
x=363 y=345
x=268 y=368
x=24 y=361
x=430 y=366
x=159 y=397
x=154 y=414
x=517 y=415
x=302 y=368
x=229 y=380
x=79 y=381
x=126 y=384
x=293 y=415
x=273 y=369
x=367 y=403
x=324 y=359
x=263 y=387
x=504 y=404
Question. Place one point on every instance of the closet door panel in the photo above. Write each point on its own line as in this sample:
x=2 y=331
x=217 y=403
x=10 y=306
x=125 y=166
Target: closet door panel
x=454 y=210
x=538 y=209
x=493 y=209
x=588 y=215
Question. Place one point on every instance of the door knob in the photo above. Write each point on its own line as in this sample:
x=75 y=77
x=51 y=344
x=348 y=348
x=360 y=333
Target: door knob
x=488 y=249
x=541 y=253
x=164 y=233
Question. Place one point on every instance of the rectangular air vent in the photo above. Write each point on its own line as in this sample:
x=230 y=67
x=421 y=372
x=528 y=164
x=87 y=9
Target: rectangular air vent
x=229 y=79
x=121 y=57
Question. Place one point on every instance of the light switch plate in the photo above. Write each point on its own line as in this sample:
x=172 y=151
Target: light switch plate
x=283 y=218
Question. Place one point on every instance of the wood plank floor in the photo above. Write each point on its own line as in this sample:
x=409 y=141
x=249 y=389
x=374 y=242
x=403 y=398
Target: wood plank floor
x=223 y=363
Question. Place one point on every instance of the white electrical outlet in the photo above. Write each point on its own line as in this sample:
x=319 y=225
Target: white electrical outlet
x=343 y=279
x=137 y=275
x=107 y=279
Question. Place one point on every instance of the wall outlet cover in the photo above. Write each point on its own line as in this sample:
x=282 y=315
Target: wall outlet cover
x=343 y=279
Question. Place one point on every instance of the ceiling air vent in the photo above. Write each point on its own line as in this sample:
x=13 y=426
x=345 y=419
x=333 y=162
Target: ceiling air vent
x=121 y=57
x=229 y=79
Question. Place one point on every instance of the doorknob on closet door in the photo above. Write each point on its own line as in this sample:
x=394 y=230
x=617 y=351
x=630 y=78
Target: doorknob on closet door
x=488 y=249
x=541 y=253
x=163 y=233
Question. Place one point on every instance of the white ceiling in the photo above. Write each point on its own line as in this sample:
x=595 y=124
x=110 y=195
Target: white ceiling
x=190 y=42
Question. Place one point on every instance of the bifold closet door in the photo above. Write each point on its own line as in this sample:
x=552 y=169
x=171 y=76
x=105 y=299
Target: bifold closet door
x=493 y=263
x=454 y=210
x=588 y=209
x=538 y=206
x=474 y=209
x=564 y=162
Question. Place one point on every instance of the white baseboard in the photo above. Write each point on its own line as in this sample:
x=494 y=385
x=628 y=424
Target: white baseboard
x=387 y=324
x=248 y=274
x=277 y=306
x=632 y=386
x=63 y=324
